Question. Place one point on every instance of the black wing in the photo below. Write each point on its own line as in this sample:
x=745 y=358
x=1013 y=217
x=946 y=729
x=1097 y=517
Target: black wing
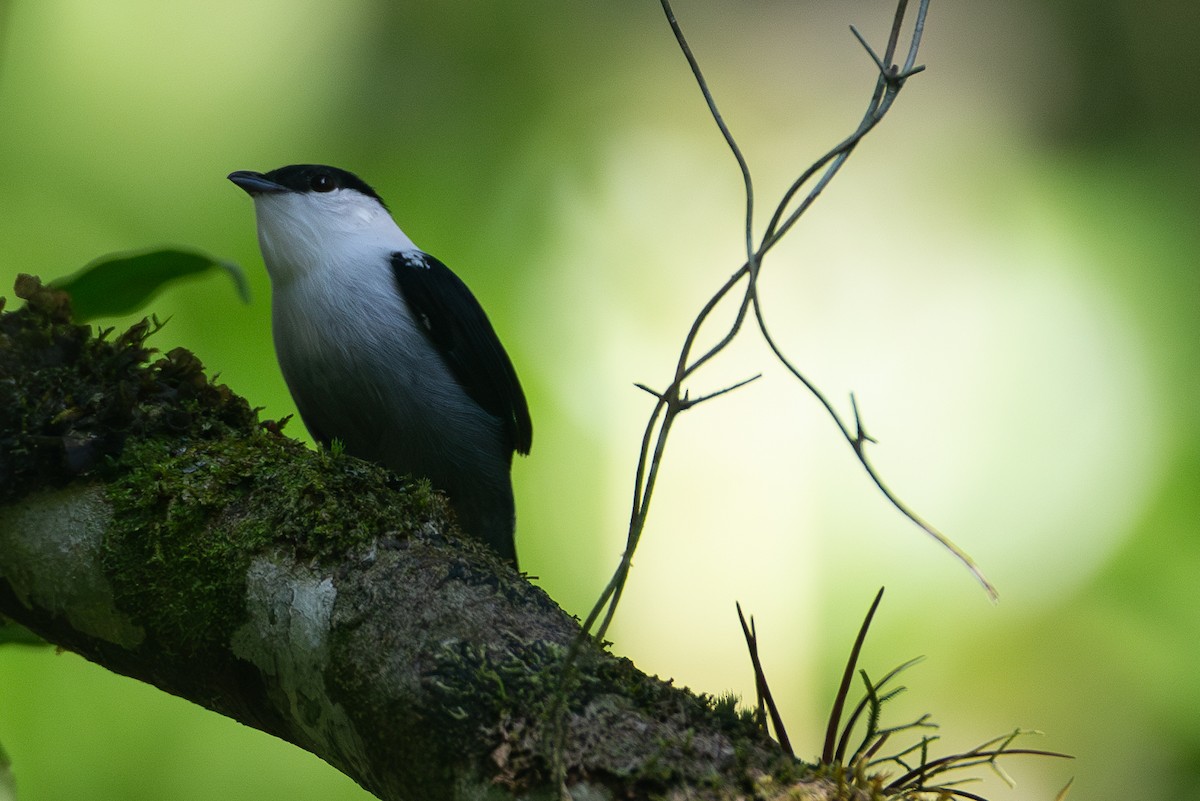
x=460 y=330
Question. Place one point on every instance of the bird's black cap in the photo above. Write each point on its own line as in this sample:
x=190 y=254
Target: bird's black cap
x=302 y=178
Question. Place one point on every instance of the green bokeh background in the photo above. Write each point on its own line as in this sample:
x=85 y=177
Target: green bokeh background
x=1006 y=274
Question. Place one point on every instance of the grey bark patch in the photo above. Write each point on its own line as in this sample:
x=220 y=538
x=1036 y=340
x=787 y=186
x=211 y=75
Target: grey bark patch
x=52 y=543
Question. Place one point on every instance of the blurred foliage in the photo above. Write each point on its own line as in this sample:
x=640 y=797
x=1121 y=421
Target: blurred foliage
x=14 y=633
x=559 y=159
x=8 y=787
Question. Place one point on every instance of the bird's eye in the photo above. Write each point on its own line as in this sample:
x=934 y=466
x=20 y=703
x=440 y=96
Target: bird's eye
x=323 y=183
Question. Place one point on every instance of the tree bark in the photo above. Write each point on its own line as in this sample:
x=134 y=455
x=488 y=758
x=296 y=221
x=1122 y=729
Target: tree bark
x=149 y=522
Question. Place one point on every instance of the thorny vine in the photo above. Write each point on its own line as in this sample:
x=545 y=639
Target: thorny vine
x=675 y=399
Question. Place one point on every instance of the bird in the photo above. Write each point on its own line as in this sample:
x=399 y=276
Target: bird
x=385 y=349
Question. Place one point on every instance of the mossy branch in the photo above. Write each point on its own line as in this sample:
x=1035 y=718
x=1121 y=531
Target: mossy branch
x=149 y=522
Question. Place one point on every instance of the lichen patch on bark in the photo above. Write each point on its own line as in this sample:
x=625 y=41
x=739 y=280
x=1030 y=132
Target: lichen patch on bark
x=287 y=636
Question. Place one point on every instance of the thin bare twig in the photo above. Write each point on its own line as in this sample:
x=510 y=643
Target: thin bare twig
x=747 y=182
x=688 y=402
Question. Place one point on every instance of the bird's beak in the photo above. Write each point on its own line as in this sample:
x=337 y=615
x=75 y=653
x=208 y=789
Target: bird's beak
x=255 y=183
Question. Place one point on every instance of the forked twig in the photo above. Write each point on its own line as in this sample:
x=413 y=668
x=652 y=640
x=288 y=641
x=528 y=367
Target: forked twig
x=858 y=439
x=765 y=699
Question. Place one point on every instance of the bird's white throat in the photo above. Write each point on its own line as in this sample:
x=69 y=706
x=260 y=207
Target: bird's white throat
x=304 y=233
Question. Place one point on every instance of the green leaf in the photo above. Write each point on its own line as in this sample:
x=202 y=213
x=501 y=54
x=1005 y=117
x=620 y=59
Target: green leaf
x=121 y=283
